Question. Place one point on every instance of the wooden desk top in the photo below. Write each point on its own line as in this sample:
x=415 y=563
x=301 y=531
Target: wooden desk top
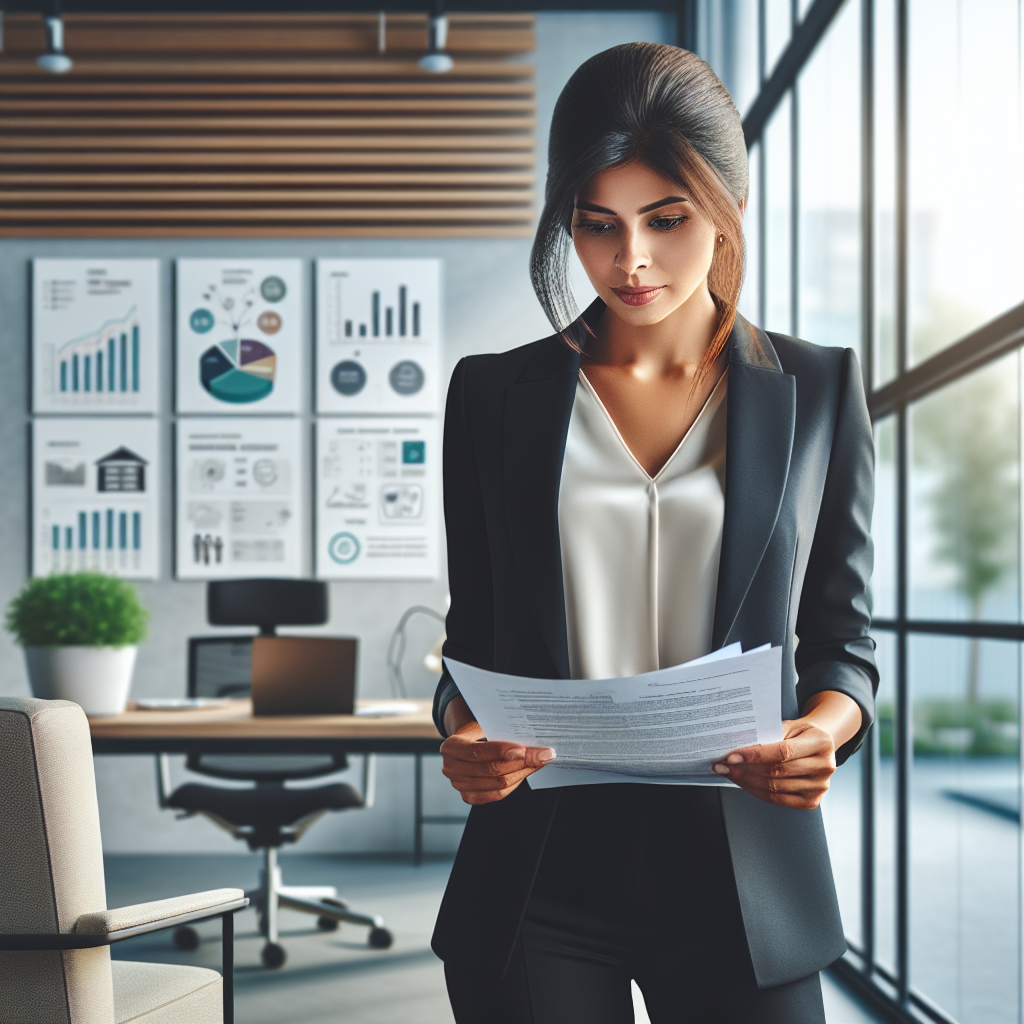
x=234 y=728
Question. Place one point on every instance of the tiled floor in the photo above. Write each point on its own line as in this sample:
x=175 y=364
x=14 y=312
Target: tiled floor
x=329 y=977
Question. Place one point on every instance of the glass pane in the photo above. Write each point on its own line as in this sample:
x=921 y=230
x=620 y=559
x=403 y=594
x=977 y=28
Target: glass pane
x=731 y=34
x=885 y=803
x=966 y=165
x=778 y=221
x=841 y=811
x=778 y=16
x=751 y=223
x=883 y=522
x=829 y=207
x=964 y=500
x=964 y=880
x=885 y=191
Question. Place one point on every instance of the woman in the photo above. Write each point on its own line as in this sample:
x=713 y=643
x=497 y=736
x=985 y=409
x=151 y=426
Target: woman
x=654 y=481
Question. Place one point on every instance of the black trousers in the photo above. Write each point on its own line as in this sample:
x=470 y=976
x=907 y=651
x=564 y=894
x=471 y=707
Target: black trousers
x=636 y=882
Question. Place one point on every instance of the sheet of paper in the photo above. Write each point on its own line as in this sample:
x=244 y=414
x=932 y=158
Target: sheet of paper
x=662 y=727
x=96 y=496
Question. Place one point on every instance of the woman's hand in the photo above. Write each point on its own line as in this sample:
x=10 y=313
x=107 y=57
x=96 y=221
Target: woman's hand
x=796 y=772
x=481 y=770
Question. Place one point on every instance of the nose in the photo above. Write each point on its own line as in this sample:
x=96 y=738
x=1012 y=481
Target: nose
x=632 y=257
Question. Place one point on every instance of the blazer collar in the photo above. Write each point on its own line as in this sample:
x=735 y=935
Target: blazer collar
x=761 y=421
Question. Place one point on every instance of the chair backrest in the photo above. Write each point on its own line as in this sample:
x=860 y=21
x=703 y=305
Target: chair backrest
x=219 y=666
x=266 y=603
x=51 y=863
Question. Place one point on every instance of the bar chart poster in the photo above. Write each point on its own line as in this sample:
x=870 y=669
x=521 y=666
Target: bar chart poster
x=240 y=496
x=240 y=336
x=377 y=491
x=378 y=336
x=94 y=336
x=95 y=496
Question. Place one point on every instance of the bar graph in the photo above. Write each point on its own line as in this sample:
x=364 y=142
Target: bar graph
x=105 y=539
x=105 y=359
x=401 y=320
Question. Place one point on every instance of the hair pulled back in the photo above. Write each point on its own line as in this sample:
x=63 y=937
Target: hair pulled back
x=663 y=107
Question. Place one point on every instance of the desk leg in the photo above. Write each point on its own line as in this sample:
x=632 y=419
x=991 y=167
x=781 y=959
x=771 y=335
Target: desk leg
x=417 y=828
x=228 y=966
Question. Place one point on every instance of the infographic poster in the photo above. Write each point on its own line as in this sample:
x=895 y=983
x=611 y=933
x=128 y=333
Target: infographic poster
x=240 y=336
x=378 y=485
x=378 y=336
x=240 y=498
x=94 y=336
x=95 y=496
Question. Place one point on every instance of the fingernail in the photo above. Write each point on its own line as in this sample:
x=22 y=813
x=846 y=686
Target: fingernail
x=547 y=754
x=720 y=768
x=735 y=759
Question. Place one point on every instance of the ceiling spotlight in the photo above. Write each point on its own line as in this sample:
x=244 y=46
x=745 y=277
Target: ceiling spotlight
x=435 y=60
x=55 y=60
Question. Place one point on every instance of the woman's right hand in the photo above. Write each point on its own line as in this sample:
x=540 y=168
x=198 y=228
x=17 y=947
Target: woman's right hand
x=481 y=770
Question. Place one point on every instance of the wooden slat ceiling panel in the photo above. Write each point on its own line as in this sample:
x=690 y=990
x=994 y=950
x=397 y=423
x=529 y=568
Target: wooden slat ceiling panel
x=267 y=125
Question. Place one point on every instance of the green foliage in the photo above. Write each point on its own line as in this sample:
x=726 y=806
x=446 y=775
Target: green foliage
x=77 y=609
x=966 y=728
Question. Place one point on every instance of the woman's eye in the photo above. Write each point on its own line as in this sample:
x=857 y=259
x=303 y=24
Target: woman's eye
x=667 y=223
x=594 y=227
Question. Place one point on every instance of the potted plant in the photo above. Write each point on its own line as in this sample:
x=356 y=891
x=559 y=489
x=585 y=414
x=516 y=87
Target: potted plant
x=81 y=633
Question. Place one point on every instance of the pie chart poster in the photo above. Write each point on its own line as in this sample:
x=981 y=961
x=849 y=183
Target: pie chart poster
x=240 y=336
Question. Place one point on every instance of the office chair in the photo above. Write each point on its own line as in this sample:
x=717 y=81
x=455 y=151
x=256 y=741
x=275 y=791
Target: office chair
x=269 y=814
x=55 y=965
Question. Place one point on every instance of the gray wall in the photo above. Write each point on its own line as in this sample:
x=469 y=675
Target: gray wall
x=488 y=306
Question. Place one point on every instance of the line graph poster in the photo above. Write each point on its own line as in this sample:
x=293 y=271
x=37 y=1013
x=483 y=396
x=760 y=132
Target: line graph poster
x=377 y=490
x=241 y=508
x=378 y=336
x=94 y=336
x=240 y=336
x=95 y=496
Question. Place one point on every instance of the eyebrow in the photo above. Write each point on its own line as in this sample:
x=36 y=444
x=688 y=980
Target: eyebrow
x=667 y=201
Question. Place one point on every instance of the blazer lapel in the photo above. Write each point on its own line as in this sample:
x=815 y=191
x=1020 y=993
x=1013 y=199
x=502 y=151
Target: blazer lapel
x=537 y=411
x=761 y=422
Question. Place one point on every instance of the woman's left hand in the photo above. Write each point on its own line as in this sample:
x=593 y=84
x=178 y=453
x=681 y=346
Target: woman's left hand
x=796 y=771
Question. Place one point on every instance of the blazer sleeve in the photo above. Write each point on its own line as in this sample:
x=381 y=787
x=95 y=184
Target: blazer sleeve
x=470 y=623
x=835 y=651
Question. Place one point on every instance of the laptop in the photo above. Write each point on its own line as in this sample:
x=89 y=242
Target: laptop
x=303 y=675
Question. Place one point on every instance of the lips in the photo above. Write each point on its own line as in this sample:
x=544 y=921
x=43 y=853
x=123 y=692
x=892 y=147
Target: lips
x=638 y=296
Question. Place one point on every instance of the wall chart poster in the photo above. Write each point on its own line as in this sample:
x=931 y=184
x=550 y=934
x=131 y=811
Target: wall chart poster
x=239 y=496
x=95 y=497
x=378 y=336
x=378 y=484
x=240 y=336
x=94 y=336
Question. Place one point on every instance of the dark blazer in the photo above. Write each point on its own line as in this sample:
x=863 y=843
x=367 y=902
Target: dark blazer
x=796 y=559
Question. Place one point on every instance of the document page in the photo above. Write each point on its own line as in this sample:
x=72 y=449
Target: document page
x=664 y=727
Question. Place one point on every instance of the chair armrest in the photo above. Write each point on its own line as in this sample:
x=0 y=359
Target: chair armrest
x=160 y=913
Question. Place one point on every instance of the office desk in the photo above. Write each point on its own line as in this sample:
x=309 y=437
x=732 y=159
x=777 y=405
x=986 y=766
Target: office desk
x=235 y=730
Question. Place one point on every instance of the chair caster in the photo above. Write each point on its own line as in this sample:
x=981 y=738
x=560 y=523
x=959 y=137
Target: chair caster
x=186 y=938
x=380 y=938
x=273 y=955
x=330 y=924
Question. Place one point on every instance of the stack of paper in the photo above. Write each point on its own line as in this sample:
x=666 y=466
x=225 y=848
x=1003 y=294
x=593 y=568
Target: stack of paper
x=667 y=726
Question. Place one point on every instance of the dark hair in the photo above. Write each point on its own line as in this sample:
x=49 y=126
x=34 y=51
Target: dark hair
x=665 y=108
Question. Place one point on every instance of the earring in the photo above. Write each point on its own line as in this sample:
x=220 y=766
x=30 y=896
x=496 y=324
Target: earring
x=721 y=238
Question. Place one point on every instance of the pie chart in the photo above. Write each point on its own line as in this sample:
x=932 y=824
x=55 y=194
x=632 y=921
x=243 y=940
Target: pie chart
x=238 y=371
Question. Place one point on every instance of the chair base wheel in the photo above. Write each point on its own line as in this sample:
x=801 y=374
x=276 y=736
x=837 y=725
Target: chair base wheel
x=186 y=938
x=327 y=924
x=273 y=955
x=380 y=938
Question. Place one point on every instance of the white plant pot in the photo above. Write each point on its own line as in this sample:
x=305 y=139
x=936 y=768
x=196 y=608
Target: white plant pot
x=97 y=678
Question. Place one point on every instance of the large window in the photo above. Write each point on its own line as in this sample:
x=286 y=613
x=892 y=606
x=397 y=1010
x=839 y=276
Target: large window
x=886 y=214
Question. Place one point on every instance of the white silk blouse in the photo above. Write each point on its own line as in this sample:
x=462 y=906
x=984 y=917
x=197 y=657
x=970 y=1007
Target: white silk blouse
x=639 y=553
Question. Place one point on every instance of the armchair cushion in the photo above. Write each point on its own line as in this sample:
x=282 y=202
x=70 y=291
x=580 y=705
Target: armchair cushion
x=104 y=921
x=165 y=994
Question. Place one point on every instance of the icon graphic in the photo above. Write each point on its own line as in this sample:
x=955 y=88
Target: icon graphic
x=414 y=453
x=268 y=322
x=348 y=377
x=122 y=470
x=401 y=501
x=273 y=289
x=201 y=321
x=406 y=377
x=64 y=473
x=264 y=472
x=238 y=371
x=343 y=548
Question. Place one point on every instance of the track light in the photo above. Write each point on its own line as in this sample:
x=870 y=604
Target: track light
x=55 y=60
x=435 y=60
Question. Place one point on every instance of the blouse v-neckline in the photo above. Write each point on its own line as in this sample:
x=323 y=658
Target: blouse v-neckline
x=649 y=478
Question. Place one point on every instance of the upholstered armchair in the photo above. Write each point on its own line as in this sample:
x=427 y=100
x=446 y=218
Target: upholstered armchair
x=55 y=929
